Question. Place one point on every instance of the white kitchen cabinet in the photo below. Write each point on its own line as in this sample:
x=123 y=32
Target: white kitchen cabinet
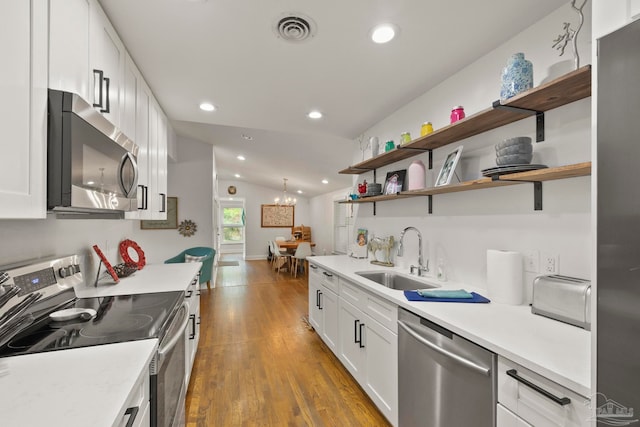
x=131 y=79
x=369 y=351
x=69 y=46
x=157 y=194
x=106 y=60
x=161 y=170
x=23 y=112
x=146 y=148
x=530 y=397
x=192 y=333
x=323 y=307
x=506 y=418
x=136 y=409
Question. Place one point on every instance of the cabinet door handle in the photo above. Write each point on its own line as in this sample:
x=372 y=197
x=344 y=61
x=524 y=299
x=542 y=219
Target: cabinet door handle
x=164 y=202
x=320 y=300
x=141 y=187
x=361 y=343
x=100 y=75
x=107 y=109
x=145 y=201
x=133 y=413
x=355 y=331
x=192 y=335
x=562 y=401
x=188 y=294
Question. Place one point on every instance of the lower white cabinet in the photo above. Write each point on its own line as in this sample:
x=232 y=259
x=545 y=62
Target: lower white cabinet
x=192 y=333
x=356 y=326
x=136 y=412
x=527 y=398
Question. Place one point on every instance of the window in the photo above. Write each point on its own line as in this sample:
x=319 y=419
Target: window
x=232 y=225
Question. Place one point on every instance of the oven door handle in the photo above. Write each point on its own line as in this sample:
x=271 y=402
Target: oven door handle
x=165 y=348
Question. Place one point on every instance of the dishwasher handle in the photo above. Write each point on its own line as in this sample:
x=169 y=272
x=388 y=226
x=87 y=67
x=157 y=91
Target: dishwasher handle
x=461 y=360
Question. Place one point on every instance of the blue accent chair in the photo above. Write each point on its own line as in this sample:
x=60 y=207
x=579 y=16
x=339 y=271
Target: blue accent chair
x=207 y=262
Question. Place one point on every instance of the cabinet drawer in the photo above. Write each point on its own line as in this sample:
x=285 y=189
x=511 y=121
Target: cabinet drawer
x=531 y=397
x=330 y=280
x=383 y=311
x=506 y=418
x=352 y=293
x=137 y=402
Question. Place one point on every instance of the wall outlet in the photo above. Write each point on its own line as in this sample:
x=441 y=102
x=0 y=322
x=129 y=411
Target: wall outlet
x=550 y=263
x=532 y=261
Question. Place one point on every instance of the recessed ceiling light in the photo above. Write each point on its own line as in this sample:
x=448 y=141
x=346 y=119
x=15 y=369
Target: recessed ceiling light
x=241 y=157
x=314 y=114
x=299 y=191
x=384 y=33
x=206 y=106
x=324 y=181
x=247 y=137
x=237 y=175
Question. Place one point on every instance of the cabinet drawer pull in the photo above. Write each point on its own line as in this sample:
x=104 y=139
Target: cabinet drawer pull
x=192 y=335
x=327 y=274
x=360 y=341
x=133 y=413
x=313 y=266
x=188 y=294
x=562 y=401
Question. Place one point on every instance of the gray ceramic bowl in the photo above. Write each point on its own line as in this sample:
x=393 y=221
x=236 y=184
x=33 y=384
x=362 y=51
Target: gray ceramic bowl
x=515 y=149
x=514 y=159
x=518 y=140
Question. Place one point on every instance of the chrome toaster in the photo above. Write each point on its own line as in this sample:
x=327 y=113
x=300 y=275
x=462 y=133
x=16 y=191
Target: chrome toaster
x=563 y=298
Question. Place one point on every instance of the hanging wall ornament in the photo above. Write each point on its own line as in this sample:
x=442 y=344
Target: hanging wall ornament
x=187 y=228
x=571 y=35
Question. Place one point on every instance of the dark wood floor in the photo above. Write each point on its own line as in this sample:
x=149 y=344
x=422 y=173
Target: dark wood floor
x=259 y=363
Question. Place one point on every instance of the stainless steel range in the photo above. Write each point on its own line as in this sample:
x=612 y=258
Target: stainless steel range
x=40 y=313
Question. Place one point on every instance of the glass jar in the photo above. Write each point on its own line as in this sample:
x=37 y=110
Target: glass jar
x=457 y=113
x=426 y=128
x=389 y=146
x=405 y=138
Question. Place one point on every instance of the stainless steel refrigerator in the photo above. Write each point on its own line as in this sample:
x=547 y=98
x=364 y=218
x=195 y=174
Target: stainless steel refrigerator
x=618 y=228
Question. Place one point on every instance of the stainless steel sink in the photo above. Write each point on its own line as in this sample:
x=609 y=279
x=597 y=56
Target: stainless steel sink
x=395 y=280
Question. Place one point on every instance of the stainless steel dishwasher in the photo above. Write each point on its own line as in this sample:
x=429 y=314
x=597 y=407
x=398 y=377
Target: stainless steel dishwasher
x=444 y=380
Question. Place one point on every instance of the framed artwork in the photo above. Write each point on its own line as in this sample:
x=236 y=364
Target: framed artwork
x=394 y=182
x=448 y=167
x=164 y=224
x=277 y=216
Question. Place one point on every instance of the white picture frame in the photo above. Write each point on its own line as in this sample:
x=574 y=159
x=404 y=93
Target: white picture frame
x=448 y=167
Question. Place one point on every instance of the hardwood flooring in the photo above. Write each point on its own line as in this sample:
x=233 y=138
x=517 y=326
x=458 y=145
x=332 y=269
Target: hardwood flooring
x=260 y=364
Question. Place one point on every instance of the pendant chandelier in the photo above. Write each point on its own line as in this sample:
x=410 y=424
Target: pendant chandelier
x=285 y=200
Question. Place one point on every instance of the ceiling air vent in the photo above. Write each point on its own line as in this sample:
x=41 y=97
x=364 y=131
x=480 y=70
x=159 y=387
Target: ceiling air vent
x=295 y=27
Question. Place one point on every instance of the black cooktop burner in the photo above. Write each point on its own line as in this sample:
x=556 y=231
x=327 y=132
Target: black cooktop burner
x=118 y=319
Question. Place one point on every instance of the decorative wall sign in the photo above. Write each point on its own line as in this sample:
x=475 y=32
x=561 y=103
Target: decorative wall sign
x=277 y=216
x=164 y=224
x=187 y=228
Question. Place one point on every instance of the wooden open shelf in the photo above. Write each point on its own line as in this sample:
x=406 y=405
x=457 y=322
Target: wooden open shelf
x=564 y=90
x=540 y=175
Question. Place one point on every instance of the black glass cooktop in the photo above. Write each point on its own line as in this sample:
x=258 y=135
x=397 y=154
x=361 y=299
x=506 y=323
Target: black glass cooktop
x=117 y=319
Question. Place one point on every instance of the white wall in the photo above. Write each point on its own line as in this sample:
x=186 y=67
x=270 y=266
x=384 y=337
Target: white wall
x=321 y=221
x=254 y=195
x=464 y=225
x=189 y=180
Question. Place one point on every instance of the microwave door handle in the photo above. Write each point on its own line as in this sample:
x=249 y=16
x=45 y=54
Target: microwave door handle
x=127 y=191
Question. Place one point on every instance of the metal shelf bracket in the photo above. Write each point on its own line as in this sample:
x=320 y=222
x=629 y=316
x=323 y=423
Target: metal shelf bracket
x=537 y=190
x=539 y=117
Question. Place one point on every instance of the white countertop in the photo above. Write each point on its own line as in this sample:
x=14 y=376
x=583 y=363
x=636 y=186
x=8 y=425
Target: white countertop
x=81 y=387
x=556 y=350
x=152 y=278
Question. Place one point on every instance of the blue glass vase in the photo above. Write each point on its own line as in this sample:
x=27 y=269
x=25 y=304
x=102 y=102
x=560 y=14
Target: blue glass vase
x=517 y=76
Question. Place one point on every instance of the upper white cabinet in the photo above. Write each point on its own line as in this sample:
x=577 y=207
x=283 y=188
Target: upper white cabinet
x=23 y=112
x=106 y=60
x=69 y=46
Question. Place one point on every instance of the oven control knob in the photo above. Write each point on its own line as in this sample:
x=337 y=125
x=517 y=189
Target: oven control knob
x=75 y=268
x=63 y=272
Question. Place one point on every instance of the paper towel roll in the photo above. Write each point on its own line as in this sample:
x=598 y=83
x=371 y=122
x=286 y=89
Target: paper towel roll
x=504 y=276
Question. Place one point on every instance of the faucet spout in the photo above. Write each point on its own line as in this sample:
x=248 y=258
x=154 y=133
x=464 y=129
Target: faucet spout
x=421 y=266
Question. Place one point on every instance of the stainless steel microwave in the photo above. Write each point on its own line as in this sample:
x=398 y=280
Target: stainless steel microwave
x=91 y=165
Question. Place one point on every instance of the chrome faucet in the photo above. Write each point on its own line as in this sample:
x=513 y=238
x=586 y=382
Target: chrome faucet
x=421 y=267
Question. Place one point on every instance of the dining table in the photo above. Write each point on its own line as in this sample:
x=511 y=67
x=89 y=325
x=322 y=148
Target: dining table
x=291 y=245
